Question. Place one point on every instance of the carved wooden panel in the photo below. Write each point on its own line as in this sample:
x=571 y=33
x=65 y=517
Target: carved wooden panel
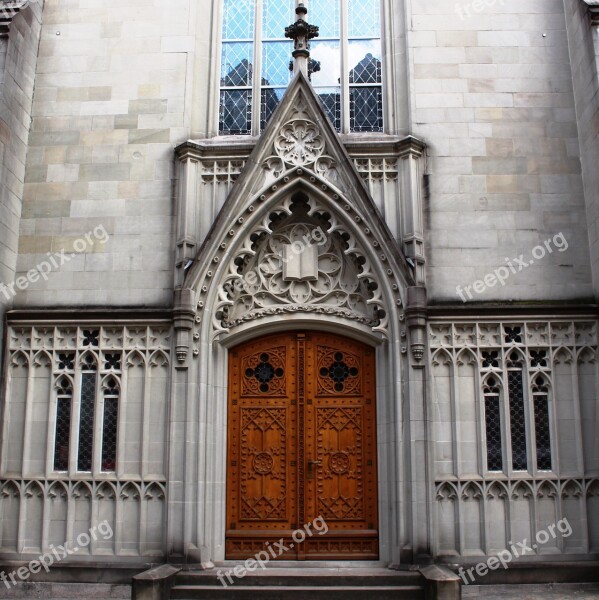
x=341 y=439
x=262 y=462
x=302 y=445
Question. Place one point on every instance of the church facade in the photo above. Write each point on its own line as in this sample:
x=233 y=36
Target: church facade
x=241 y=296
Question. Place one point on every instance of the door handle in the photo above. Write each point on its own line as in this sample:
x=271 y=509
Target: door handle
x=314 y=462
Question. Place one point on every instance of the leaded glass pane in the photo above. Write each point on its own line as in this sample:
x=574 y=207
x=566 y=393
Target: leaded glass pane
x=328 y=54
x=331 y=102
x=326 y=14
x=517 y=420
x=109 y=433
x=235 y=112
x=236 y=66
x=278 y=14
x=364 y=18
x=493 y=428
x=63 y=434
x=238 y=20
x=366 y=58
x=270 y=100
x=543 y=438
x=275 y=63
x=86 y=422
x=366 y=109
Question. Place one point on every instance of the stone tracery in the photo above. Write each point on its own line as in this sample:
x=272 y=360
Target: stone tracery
x=301 y=261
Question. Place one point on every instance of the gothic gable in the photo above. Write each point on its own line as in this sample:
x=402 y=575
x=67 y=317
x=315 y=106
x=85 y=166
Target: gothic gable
x=298 y=233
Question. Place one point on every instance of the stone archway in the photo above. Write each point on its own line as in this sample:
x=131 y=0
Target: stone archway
x=355 y=285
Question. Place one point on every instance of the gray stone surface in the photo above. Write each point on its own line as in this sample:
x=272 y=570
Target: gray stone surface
x=492 y=95
x=17 y=74
x=531 y=592
x=66 y=591
x=584 y=54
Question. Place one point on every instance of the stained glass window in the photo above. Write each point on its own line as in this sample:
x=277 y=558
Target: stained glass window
x=64 y=398
x=540 y=394
x=110 y=426
x=517 y=414
x=493 y=425
x=346 y=71
x=521 y=414
x=86 y=421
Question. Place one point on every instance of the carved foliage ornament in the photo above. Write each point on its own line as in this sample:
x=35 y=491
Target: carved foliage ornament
x=300 y=264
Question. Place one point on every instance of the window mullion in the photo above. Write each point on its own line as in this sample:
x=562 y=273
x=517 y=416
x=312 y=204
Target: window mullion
x=257 y=73
x=75 y=418
x=344 y=15
x=507 y=428
x=531 y=430
x=98 y=428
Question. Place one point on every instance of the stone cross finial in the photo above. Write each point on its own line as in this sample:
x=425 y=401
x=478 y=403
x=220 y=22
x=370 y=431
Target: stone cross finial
x=301 y=32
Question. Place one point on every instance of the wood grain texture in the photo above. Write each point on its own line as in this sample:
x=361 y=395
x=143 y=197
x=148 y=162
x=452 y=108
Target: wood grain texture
x=302 y=445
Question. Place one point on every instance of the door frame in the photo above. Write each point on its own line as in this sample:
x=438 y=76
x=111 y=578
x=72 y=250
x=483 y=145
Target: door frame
x=198 y=449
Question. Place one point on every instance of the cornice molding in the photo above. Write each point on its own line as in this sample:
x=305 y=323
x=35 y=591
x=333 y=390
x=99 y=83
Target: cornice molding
x=356 y=145
x=504 y=310
x=98 y=316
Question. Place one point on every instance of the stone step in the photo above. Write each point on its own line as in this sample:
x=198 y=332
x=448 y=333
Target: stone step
x=236 y=592
x=303 y=577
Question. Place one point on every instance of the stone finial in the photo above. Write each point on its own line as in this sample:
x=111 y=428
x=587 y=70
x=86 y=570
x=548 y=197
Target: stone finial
x=301 y=32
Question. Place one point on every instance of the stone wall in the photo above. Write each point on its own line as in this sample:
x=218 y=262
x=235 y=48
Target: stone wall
x=584 y=54
x=119 y=86
x=18 y=57
x=110 y=106
x=492 y=96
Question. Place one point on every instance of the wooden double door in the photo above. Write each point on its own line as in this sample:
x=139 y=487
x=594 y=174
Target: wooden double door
x=302 y=449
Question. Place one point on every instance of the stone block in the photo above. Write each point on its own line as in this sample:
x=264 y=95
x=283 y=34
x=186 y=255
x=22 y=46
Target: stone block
x=104 y=172
x=149 y=136
x=441 y=583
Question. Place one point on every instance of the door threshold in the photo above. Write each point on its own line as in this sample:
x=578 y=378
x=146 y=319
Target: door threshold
x=312 y=564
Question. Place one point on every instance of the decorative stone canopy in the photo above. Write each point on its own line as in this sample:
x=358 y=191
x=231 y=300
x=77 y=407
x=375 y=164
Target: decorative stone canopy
x=298 y=186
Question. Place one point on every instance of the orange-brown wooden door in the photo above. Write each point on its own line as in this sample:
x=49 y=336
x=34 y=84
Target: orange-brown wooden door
x=302 y=446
